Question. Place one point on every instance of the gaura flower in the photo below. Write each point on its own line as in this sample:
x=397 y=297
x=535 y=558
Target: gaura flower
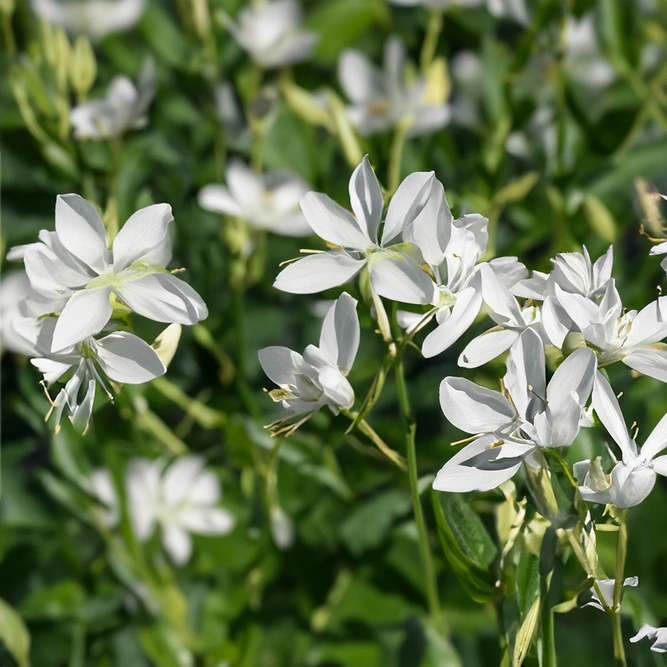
x=657 y=635
x=182 y=499
x=381 y=99
x=394 y=266
x=512 y=426
x=318 y=378
x=120 y=356
x=269 y=201
x=271 y=33
x=632 y=337
x=76 y=264
x=632 y=478
x=510 y=9
x=606 y=587
x=95 y=18
x=123 y=108
x=14 y=291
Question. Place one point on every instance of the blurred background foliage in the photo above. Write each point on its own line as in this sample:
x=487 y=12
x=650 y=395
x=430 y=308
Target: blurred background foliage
x=553 y=157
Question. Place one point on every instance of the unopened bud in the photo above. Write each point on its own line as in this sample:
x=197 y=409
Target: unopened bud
x=82 y=67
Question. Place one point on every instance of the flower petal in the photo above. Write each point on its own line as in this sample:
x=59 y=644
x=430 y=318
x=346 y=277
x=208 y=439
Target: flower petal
x=525 y=378
x=142 y=481
x=609 y=412
x=339 y=340
x=650 y=324
x=280 y=364
x=360 y=79
x=333 y=223
x=126 y=358
x=85 y=314
x=366 y=198
x=318 y=272
x=177 y=543
x=657 y=441
x=180 y=479
x=144 y=236
x=218 y=199
x=398 y=277
x=486 y=347
x=206 y=520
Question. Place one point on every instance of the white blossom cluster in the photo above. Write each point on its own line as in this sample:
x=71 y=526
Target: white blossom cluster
x=69 y=310
x=416 y=252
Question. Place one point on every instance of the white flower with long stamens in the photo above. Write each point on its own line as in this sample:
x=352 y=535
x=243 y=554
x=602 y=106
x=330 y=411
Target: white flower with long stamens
x=75 y=263
x=632 y=478
x=657 y=635
x=632 y=337
x=95 y=18
x=123 y=108
x=271 y=33
x=394 y=260
x=318 y=378
x=269 y=201
x=381 y=99
x=181 y=500
x=606 y=587
x=120 y=356
x=510 y=427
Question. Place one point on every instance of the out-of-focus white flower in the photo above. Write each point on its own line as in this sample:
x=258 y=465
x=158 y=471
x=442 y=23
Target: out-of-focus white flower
x=14 y=290
x=513 y=427
x=271 y=33
x=269 y=201
x=606 y=587
x=633 y=478
x=657 y=635
x=120 y=356
x=282 y=529
x=394 y=266
x=123 y=108
x=382 y=99
x=102 y=486
x=182 y=499
x=75 y=263
x=507 y=9
x=583 y=58
x=95 y=18
x=318 y=378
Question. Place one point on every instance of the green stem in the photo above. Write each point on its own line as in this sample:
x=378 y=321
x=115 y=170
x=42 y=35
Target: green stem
x=370 y=433
x=619 y=650
x=548 y=647
x=424 y=548
x=621 y=552
x=396 y=155
x=430 y=45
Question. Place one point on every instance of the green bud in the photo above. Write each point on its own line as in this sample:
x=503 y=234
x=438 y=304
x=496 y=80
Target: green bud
x=304 y=104
x=82 y=67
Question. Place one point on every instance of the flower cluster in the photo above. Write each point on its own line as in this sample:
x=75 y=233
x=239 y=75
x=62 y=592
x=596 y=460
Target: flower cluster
x=81 y=284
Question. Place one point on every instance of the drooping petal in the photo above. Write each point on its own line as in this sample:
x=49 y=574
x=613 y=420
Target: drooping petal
x=333 y=223
x=81 y=230
x=164 y=298
x=608 y=410
x=177 y=543
x=479 y=466
x=85 y=314
x=144 y=236
x=218 y=199
x=366 y=198
x=318 y=272
x=575 y=374
x=486 y=347
x=127 y=359
x=472 y=408
x=651 y=361
x=525 y=378
x=464 y=312
x=280 y=364
x=398 y=277
x=657 y=441
x=650 y=324
x=84 y=411
x=339 y=340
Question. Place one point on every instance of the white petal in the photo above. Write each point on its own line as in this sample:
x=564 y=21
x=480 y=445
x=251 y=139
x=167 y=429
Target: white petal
x=318 y=272
x=86 y=313
x=177 y=544
x=472 y=408
x=294 y=48
x=486 y=347
x=291 y=224
x=466 y=309
x=126 y=358
x=245 y=187
x=207 y=489
x=525 y=378
x=180 y=479
x=333 y=223
x=360 y=79
x=52 y=370
x=50 y=275
x=280 y=364
x=575 y=374
x=555 y=321
x=478 y=467
x=650 y=324
x=657 y=441
x=218 y=199
x=339 y=340
x=81 y=230
x=83 y=412
x=366 y=198
x=429 y=119
x=499 y=298
x=609 y=412
x=206 y=520
x=398 y=277
x=164 y=298
x=142 y=480
x=144 y=236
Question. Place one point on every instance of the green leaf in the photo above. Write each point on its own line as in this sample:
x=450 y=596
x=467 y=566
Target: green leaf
x=525 y=634
x=527 y=581
x=466 y=545
x=14 y=634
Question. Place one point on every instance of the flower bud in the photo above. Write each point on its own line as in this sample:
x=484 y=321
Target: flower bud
x=82 y=67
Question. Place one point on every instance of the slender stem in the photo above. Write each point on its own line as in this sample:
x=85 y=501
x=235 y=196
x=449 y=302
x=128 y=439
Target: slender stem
x=430 y=45
x=370 y=433
x=548 y=646
x=396 y=155
x=619 y=650
x=621 y=552
x=424 y=548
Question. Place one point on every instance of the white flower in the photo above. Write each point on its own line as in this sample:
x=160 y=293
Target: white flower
x=583 y=58
x=632 y=338
x=381 y=99
x=120 y=356
x=95 y=18
x=660 y=249
x=230 y=115
x=657 y=635
x=182 y=499
x=512 y=427
x=606 y=587
x=14 y=290
x=633 y=478
x=282 y=529
x=270 y=32
x=75 y=263
x=394 y=266
x=102 y=486
x=123 y=108
x=269 y=201
x=318 y=378
x=511 y=9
